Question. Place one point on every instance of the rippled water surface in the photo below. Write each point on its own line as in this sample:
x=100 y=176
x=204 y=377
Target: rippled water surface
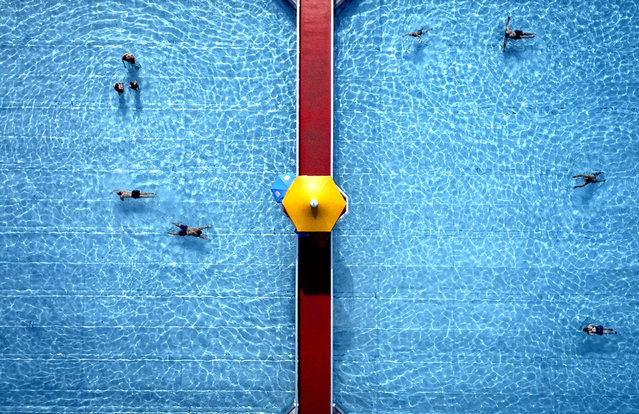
x=463 y=274
x=468 y=265
x=102 y=310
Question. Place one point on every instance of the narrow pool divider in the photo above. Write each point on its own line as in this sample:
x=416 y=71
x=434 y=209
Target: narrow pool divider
x=314 y=253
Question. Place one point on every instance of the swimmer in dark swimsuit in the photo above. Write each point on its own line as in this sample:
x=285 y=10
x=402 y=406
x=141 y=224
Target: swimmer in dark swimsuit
x=590 y=178
x=418 y=34
x=119 y=87
x=128 y=57
x=515 y=34
x=190 y=231
x=134 y=85
x=599 y=330
x=133 y=194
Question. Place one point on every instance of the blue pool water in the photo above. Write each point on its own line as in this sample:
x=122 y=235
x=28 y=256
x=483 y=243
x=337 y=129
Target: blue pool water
x=100 y=309
x=468 y=265
x=463 y=274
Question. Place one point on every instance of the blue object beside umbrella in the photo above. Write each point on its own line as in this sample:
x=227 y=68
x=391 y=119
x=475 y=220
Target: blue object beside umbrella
x=281 y=184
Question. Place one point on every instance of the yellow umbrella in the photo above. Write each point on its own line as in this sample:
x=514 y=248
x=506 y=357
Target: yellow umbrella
x=314 y=203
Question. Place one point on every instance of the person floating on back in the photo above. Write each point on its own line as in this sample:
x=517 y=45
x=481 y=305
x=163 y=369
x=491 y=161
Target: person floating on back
x=599 y=330
x=133 y=194
x=590 y=178
x=515 y=34
x=190 y=231
x=418 y=34
x=119 y=87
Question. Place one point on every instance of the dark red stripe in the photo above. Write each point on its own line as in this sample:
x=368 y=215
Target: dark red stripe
x=314 y=253
x=315 y=97
x=314 y=323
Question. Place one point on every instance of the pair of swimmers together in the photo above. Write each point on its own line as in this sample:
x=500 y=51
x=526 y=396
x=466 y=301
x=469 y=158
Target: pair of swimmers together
x=184 y=230
x=508 y=34
x=119 y=86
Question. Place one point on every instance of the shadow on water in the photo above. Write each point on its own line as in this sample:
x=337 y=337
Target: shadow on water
x=287 y=10
x=122 y=107
x=606 y=344
x=513 y=58
x=584 y=195
x=137 y=100
x=132 y=207
x=190 y=243
x=416 y=53
x=342 y=288
x=131 y=68
x=133 y=75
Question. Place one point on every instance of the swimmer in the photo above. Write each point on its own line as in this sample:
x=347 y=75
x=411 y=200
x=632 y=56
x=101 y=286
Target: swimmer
x=599 y=330
x=119 y=87
x=418 y=34
x=190 y=231
x=515 y=34
x=590 y=178
x=128 y=57
x=134 y=85
x=133 y=194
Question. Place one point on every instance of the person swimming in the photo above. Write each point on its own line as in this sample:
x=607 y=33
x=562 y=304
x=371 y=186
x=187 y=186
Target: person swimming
x=130 y=59
x=589 y=178
x=515 y=34
x=599 y=330
x=134 y=85
x=119 y=87
x=190 y=231
x=418 y=34
x=133 y=194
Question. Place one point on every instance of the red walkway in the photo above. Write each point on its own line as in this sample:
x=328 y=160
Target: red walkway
x=315 y=125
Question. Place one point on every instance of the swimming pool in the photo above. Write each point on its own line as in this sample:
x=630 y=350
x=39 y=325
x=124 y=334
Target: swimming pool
x=101 y=309
x=463 y=274
x=468 y=265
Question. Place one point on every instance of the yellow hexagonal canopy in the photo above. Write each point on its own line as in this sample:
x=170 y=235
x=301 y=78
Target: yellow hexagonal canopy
x=314 y=203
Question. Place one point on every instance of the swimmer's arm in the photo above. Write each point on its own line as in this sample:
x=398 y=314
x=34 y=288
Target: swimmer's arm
x=205 y=238
x=506 y=33
x=205 y=227
x=175 y=224
x=580 y=175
